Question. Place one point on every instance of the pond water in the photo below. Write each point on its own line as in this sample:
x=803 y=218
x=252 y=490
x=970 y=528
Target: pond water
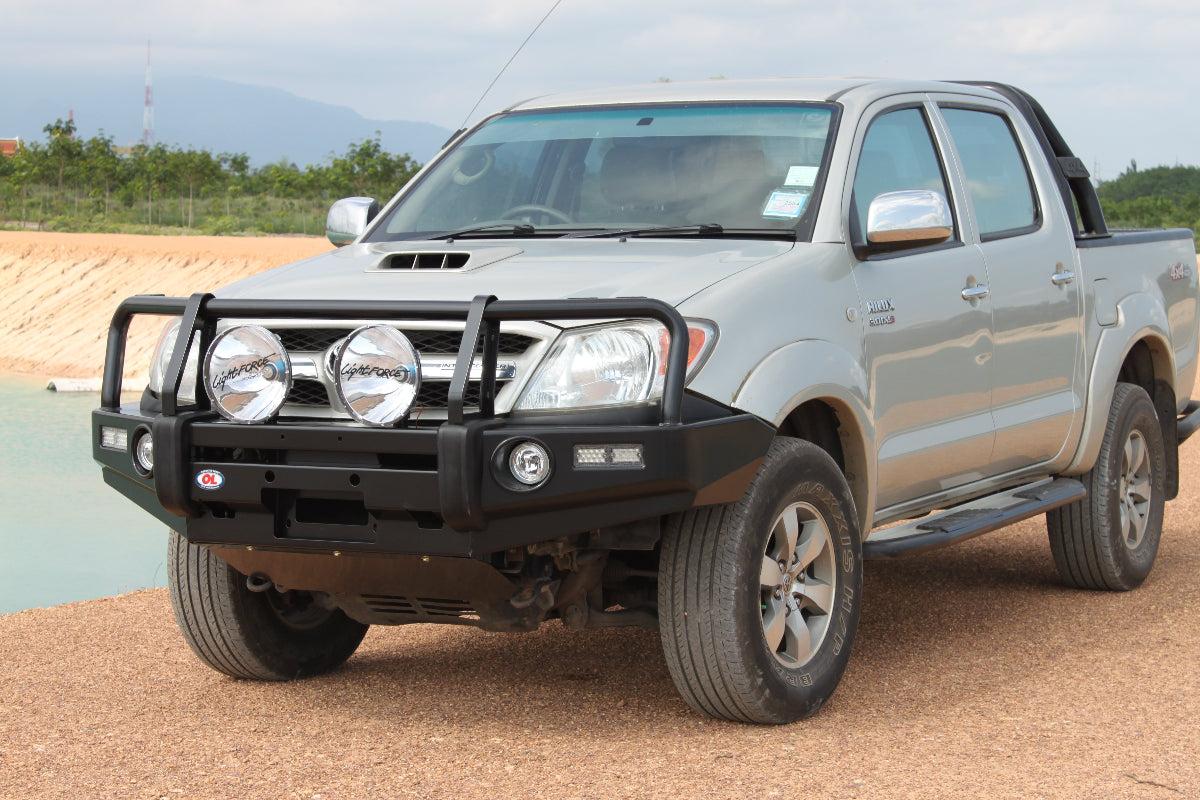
x=64 y=534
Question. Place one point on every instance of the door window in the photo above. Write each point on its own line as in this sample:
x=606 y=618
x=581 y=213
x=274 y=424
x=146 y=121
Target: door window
x=997 y=176
x=897 y=154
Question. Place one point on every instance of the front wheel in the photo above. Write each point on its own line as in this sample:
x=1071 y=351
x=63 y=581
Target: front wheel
x=1108 y=540
x=265 y=635
x=759 y=600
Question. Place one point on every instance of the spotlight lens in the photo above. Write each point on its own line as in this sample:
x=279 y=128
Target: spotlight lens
x=529 y=463
x=378 y=375
x=247 y=374
x=143 y=452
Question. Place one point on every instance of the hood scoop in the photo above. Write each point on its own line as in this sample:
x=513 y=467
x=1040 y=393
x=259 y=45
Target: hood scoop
x=452 y=260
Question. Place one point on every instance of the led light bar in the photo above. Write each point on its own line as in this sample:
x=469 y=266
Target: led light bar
x=610 y=456
x=114 y=439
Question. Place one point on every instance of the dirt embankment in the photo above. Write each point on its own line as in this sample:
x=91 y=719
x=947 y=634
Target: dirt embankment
x=61 y=290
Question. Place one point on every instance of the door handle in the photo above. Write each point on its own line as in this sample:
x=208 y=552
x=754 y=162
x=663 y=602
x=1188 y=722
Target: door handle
x=977 y=292
x=1063 y=277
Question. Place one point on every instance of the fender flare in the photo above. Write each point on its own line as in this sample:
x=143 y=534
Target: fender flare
x=815 y=369
x=1148 y=319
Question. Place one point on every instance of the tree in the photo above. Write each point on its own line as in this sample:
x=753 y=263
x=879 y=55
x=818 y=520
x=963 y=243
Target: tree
x=195 y=169
x=63 y=151
x=150 y=167
x=367 y=170
x=101 y=167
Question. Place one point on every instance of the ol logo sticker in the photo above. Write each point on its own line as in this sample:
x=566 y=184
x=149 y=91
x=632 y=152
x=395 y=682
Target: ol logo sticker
x=210 y=479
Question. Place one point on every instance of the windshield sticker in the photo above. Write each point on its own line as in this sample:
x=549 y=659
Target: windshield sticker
x=801 y=176
x=784 y=205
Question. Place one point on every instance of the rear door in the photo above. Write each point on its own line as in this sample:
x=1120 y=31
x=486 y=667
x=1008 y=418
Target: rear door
x=1024 y=237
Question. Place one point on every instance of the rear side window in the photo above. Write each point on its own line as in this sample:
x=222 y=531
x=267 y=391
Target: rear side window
x=897 y=154
x=997 y=176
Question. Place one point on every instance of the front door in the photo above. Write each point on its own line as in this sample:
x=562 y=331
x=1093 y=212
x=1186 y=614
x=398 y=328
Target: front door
x=928 y=348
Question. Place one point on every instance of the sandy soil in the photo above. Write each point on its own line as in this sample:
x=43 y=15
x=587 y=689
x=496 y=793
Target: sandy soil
x=976 y=674
x=61 y=290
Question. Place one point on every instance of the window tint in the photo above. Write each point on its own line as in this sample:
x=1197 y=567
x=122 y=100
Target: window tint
x=997 y=177
x=897 y=154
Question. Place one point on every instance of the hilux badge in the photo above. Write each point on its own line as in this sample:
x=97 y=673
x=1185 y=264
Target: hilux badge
x=210 y=479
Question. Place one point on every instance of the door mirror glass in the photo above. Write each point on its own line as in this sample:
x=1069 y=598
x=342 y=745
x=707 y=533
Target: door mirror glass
x=348 y=218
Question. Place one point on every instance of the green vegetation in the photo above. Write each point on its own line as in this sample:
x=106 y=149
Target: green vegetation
x=1160 y=197
x=70 y=184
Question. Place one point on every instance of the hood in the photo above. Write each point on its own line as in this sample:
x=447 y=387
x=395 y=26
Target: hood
x=670 y=270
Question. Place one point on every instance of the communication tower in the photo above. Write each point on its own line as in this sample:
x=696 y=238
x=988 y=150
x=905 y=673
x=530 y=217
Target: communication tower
x=148 y=111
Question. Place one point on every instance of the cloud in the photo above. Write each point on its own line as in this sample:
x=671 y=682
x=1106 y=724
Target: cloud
x=431 y=62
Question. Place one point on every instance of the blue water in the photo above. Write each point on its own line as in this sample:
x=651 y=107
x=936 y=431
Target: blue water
x=64 y=534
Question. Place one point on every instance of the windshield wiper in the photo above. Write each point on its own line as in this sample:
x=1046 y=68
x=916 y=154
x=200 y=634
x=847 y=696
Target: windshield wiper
x=703 y=230
x=519 y=229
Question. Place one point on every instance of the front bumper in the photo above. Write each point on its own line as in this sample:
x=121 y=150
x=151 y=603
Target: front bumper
x=341 y=487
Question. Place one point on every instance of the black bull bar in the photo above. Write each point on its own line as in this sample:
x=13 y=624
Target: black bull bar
x=709 y=458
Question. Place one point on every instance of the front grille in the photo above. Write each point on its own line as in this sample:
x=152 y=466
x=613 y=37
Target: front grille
x=308 y=393
x=312 y=340
x=435 y=394
x=312 y=392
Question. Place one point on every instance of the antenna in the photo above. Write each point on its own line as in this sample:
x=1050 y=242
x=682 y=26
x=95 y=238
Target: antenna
x=502 y=69
x=148 y=111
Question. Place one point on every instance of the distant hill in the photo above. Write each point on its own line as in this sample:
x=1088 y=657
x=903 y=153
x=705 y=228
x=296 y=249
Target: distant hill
x=1176 y=184
x=267 y=124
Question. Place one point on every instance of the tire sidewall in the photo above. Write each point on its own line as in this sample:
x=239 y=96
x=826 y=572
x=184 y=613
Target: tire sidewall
x=798 y=472
x=1135 y=412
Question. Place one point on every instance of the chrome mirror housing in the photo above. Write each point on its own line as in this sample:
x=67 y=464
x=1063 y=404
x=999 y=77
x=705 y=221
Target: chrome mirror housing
x=348 y=218
x=912 y=218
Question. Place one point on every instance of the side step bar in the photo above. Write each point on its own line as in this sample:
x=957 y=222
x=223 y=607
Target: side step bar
x=973 y=519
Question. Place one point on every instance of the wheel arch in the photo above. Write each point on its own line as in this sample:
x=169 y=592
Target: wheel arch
x=825 y=402
x=1144 y=359
x=831 y=425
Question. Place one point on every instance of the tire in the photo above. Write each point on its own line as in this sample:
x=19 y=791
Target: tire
x=1108 y=539
x=728 y=616
x=268 y=635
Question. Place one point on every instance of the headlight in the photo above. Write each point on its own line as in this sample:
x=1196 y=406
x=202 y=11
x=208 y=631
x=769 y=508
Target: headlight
x=247 y=374
x=609 y=365
x=162 y=358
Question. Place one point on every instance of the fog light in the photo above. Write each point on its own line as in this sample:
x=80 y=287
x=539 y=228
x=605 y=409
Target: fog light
x=529 y=463
x=143 y=452
x=114 y=438
x=610 y=456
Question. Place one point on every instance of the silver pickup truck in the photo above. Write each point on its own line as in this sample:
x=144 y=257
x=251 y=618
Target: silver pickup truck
x=679 y=356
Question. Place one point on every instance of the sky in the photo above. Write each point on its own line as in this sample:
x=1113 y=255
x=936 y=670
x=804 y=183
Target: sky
x=1116 y=77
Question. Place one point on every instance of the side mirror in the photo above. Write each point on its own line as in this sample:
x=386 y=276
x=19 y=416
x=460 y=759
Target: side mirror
x=348 y=218
x=912 y=218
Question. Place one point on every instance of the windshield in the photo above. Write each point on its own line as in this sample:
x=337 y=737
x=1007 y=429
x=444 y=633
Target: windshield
x=677 y=167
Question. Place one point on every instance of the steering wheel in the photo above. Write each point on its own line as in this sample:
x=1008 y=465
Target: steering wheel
x=533 y=208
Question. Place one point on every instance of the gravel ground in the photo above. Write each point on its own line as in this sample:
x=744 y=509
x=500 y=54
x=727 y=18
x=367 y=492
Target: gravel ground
x=975 y=675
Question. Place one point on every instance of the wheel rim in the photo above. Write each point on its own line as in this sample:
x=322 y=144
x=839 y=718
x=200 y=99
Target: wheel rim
x=1135 y=490
x=797 y=584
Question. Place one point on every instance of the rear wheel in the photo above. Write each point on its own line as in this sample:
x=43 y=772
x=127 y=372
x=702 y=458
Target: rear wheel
x=1109 y=539
x=759 y=600
x=265 y=635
